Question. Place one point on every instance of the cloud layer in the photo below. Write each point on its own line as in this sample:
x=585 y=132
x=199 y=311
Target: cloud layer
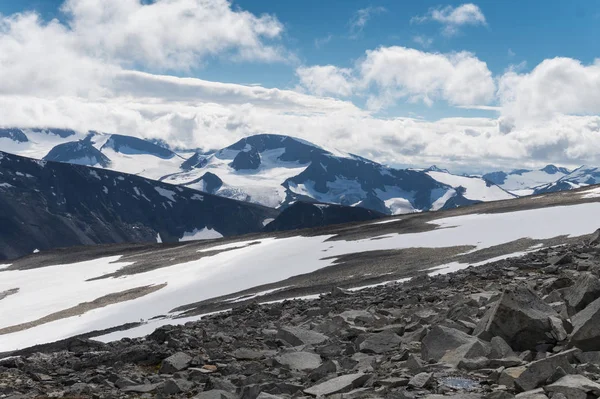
x=107 y=70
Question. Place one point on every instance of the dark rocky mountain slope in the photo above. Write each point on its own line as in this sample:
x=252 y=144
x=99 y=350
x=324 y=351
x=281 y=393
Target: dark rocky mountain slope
x=302 y=215
x=49 y=204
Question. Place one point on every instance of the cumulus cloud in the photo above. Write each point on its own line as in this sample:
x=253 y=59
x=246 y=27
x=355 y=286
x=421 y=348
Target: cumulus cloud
x=400 y=72
x=361 y=18
x=326 y=80
x=554 y=87
x=388 y=74
x=171 y=34
x=453 y=18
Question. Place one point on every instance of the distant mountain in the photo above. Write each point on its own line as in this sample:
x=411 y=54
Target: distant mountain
x=302 y=215
x=14 y=134
x=277 y=171
x=524 y=181
x=49 y=204
x=472 y=189
x=580 y=177
x=80 y=152
x=134 y=146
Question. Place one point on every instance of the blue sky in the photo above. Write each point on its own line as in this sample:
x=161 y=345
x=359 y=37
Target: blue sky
x=407 y=82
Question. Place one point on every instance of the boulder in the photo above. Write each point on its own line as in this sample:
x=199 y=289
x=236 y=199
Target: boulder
x=500 y=349
x=174 y=363
x=381 y=342
x=441 y=340
x=534 y=374
x=421 y=380
x=297 y=336
x=300 y=360
x=215 y=394
x=586 y=328
x=585 y=291
x=339 y=384
x=520 y=318
x=475 y=349
x=174 y=386
x=533 y=394
x=574 y=387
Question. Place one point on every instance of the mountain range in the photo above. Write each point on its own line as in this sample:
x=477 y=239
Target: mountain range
x=276 y=171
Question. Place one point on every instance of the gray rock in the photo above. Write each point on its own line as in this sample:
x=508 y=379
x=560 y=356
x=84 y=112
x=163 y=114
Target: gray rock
x=533 y=394
x=174 y=363
x=520 y=318
x=441 y=340
x=558 y=330
x=297 y=336
x=143 y=388
x=264 y=395
x=301 y=361
x=215 y=394
x=340 y=384
x=500 y=395
x=414 y=364
x=380 y=343
x=589 y=357
x=586 y=328
x=585 y=291
x=323 y=371
x=421 y=380
x=173 y=386
x=500 y=349
x=536 y=373
x=250 y=354
x=574 y=386
x=475 y=349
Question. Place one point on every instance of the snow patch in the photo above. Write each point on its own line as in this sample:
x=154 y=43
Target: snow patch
x=170 y=195
x=204 y=234
x=267 y=221
x=592 y=193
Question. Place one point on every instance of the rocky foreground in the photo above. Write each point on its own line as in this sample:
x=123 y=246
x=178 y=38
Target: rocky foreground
x=527 y=328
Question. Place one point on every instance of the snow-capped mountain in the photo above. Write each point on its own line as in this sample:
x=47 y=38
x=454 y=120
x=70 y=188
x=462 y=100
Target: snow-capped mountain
x=472 y=188
x=276 y=171
x=111 y=151
x=580 y=177
x=524 y=181
x=46 y=205
x=80 y=152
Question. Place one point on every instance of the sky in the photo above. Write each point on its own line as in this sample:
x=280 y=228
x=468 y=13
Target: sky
x=467 y=86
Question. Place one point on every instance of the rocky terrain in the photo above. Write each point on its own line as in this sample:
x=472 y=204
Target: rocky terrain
x=524 y=327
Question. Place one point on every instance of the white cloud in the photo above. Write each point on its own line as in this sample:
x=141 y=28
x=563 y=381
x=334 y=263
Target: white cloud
x=170 y=34
x=361 y=18
x=326 y=80
x=452 y=18
x=555 y=87
x=423 y=41
x=400 y=72
x=388 y=74
x=320 y=42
